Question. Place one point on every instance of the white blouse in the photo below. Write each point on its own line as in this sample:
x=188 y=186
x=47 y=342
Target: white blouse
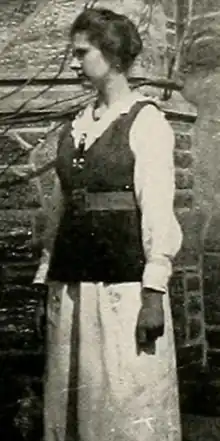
x=152 y=141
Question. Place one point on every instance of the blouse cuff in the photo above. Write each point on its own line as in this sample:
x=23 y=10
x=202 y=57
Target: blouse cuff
x=156 y=275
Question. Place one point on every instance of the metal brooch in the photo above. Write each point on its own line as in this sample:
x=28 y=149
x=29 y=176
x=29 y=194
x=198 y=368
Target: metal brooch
x=79 y=160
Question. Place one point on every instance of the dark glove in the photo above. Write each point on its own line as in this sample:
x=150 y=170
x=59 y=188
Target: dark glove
x=150 y=321
x=40 y=292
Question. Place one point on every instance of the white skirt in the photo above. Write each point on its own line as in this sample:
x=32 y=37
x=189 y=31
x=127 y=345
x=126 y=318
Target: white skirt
x=96 y=387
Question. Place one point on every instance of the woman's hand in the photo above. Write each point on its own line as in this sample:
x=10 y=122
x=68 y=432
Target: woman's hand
x=150 y=321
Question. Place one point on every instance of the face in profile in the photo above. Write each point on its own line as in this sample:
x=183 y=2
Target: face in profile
x=88 y=60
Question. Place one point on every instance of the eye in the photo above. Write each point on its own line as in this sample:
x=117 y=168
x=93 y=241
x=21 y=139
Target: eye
x=80 y=53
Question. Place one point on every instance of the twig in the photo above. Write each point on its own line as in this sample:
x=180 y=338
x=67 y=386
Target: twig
x=90 y=4
x=24 y=144
x=175 y=62
x=28 y=81
x=25 y=24
x=36 y=173
x=61 y=67
x=16 y=9
x=148 y=17
x=182 y=38
x=66 y=100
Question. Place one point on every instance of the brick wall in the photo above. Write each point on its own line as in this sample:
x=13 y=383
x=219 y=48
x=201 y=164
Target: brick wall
x=22 y=212
x=201 y=70
x=23 y=209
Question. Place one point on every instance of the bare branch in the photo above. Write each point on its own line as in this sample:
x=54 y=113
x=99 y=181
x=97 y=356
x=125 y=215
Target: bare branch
x=25 y=24
x=24 y=144
x=182 y=36
x=146 y=15
x=23 y=175
x=90 y=4
x=16 y=9
x=49 y=165
x=29 y=80
x=82 y=94
x=23 y=105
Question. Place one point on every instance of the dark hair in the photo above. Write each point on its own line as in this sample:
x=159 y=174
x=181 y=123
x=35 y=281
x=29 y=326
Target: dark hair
x=114 y=34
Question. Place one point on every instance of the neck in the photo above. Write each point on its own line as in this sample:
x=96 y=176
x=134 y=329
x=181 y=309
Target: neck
x=114 y=89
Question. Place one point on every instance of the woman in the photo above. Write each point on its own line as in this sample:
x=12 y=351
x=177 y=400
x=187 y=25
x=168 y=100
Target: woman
x=111 y=360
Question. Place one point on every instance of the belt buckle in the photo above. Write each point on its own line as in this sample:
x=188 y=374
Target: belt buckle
x=79 y=199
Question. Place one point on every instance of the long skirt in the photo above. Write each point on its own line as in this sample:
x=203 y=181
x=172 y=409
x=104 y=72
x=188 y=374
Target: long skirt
x=96 y=386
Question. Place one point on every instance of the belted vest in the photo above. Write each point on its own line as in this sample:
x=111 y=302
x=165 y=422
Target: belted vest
x=99 y=236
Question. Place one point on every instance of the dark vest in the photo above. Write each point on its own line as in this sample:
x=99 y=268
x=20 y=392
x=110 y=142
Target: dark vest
x=99 y=236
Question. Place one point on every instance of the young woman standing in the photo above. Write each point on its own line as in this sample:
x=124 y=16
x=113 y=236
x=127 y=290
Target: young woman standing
x=111 y=371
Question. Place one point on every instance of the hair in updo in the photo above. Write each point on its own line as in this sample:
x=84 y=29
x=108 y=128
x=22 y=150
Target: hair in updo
x=114 y=34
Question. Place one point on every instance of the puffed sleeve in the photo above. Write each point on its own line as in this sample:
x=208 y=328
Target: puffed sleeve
x=152 y=141
x=53 y=215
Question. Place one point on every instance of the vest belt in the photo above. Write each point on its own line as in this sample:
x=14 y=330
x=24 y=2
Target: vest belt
x=103 y=201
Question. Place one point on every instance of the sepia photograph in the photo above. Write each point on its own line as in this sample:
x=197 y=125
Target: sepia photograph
x=110 y=220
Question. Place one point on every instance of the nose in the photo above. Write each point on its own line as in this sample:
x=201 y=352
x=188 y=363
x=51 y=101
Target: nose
x=75 y=64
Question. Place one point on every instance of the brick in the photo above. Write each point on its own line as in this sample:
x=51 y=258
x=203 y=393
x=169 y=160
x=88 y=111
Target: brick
x=29 y=362
x=16 y=236
x=188 y=401
x=11 y=151
x=212 y=241
x=213 y=336
x=22 y=196
x=212 y=399
x=17 y=318
x=17 y=246
x=177 y=284
x=214 y=359
x=22 y=253
x=181 y=126
x=182 y=159
x=18 y=295
x=212 y=263
x=191 y=371
x=179 y=319
x=195 y=327
x=193 y=282
x=184 y=179
x=194 y=303
x=21 y=272
x=17 y=336
x=187 y=257
x=211 y=284
x=193 y=387
x=195 y=399
x=38 y=225
x=183 y=199
x=190 y=354
x=212 y=310
x=183 y=141
x=15 y=220
x=47 y=184
x=43 y=98
x=179 y=331
x=191 y=223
